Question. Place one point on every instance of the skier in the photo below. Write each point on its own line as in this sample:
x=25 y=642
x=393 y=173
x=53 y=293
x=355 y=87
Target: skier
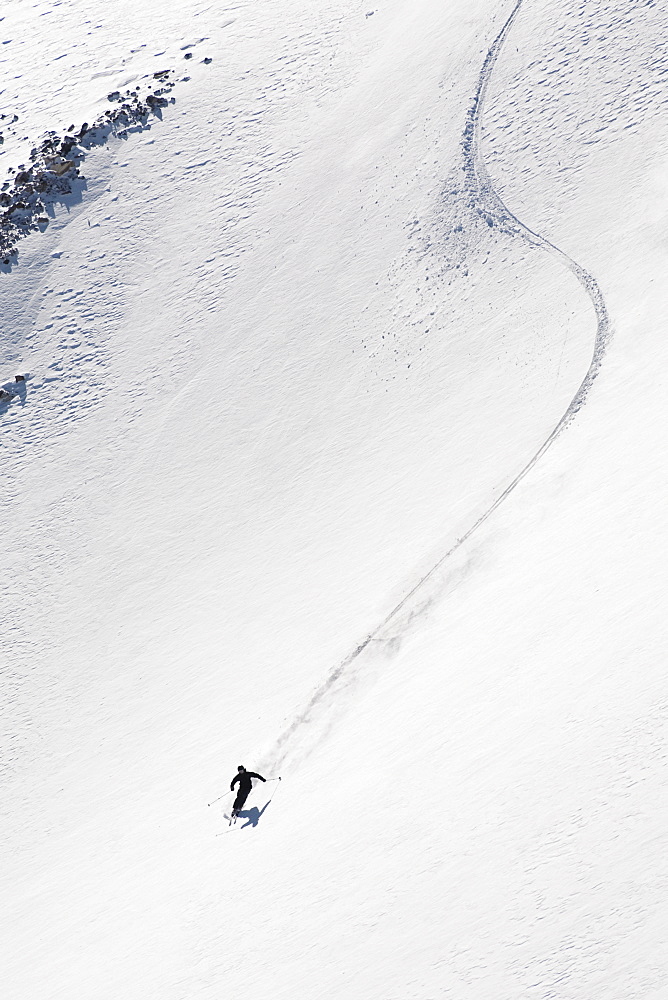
x=244 y=778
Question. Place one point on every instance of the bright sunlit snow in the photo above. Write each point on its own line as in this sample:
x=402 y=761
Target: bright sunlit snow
x=339 y=455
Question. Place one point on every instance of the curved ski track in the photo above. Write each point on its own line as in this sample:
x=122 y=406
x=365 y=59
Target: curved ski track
x=483 y=196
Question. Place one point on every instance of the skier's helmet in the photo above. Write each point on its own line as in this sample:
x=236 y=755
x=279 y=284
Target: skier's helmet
x=241 y=768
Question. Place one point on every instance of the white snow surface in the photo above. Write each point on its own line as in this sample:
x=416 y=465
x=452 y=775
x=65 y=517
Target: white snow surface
x=341 y=455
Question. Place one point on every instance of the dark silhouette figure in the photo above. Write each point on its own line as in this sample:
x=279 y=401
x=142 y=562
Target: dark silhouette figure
x=245 y=779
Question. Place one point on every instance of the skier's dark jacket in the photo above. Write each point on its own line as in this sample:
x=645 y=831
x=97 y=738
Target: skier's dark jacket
x=245 y=780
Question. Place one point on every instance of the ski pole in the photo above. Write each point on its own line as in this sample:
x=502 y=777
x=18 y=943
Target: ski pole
x=218 y=799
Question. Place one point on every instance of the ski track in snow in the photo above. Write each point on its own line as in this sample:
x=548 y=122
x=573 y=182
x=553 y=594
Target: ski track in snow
x=487 y=202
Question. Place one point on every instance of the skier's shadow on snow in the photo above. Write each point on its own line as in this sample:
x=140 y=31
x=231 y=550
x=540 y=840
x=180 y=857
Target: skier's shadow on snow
x=252 y=815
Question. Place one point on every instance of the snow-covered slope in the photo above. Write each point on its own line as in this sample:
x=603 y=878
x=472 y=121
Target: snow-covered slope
x=271 y=495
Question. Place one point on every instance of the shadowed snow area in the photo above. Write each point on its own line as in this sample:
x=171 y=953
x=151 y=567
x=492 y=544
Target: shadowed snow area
x=340 y=454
